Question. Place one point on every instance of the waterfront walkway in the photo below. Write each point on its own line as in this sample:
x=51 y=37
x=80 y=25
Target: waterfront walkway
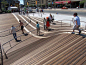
x=56 y=47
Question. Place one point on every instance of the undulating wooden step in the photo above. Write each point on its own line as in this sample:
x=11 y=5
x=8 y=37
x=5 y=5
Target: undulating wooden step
x=72 y=50
x=60 y=50
x=47 y=53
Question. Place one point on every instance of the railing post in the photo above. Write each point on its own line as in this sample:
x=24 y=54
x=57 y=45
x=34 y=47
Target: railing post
x=9 y=31
x=72 y=19
x=41 y=15
x=61 y=23
x=5 y=54
x=85 y=26
x=1 y=55
x=70 y=23
x=33 y=14
x=20 y=37
x=53 y=16
x=9 y=43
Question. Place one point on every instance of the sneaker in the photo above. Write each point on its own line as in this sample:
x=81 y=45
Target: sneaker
x=79 y=32
x=23 y=33
x=72 y=33
x=16 y=40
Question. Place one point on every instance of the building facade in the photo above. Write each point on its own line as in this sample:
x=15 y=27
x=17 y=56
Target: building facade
x=32 y=2
x=73 y=3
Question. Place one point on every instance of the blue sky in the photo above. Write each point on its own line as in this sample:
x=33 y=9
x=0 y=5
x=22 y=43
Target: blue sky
x=21 y=2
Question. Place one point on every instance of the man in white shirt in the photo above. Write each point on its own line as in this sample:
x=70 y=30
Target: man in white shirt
x=13 y=31
x=76 y=23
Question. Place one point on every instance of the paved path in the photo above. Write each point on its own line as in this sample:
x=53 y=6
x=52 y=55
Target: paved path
x=70 y=9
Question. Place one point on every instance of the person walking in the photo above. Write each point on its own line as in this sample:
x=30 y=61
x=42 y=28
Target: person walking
x=76 y=23
x=44 y=21
x=38 y=28
x=48 y=23
x=22 y=26
x=51 y=18
x=13 y=31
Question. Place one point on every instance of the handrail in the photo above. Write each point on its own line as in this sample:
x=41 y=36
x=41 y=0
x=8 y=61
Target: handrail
x=10 y=44
x=9 y=30
x=73 y=23
x=1 y=55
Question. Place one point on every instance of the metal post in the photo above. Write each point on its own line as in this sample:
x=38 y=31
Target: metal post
x=85 y=26
x=30 y=19
x=33 y=14
x=41 y=15
x=72 y=19
x=20 y=37
x=5 y=54
x=9 y=31
x=1 y=55
x=53 y=16
x=9 y=43
x=61 y=23
x=70 y=23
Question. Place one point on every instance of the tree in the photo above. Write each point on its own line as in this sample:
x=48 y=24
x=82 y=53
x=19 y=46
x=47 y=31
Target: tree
x=4 y=3
x=82 y=2
x=26 y=6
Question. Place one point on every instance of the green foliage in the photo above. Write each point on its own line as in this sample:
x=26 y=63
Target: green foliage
x=3 y=10
x=8 y=11
x=83 y=1
x=39 y=5
x=26 y=5
x=49 y=5
x=61 y=5
x=43 y=5
x=4 y=3
x=32 y=5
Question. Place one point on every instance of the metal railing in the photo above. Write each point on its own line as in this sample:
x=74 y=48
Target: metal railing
x=83 y=23
x=10 y=42
x=8 y=31
x=1 y=55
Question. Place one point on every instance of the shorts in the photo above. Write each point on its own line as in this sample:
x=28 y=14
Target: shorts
x=76 y=28
x=38 y=29
x=22 y=27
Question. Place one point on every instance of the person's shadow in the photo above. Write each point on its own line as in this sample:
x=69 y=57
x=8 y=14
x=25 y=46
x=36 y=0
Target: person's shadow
x=54 y=23
x=50 y=29
x=25 y=34
x=41 y=34
x=83 y=35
